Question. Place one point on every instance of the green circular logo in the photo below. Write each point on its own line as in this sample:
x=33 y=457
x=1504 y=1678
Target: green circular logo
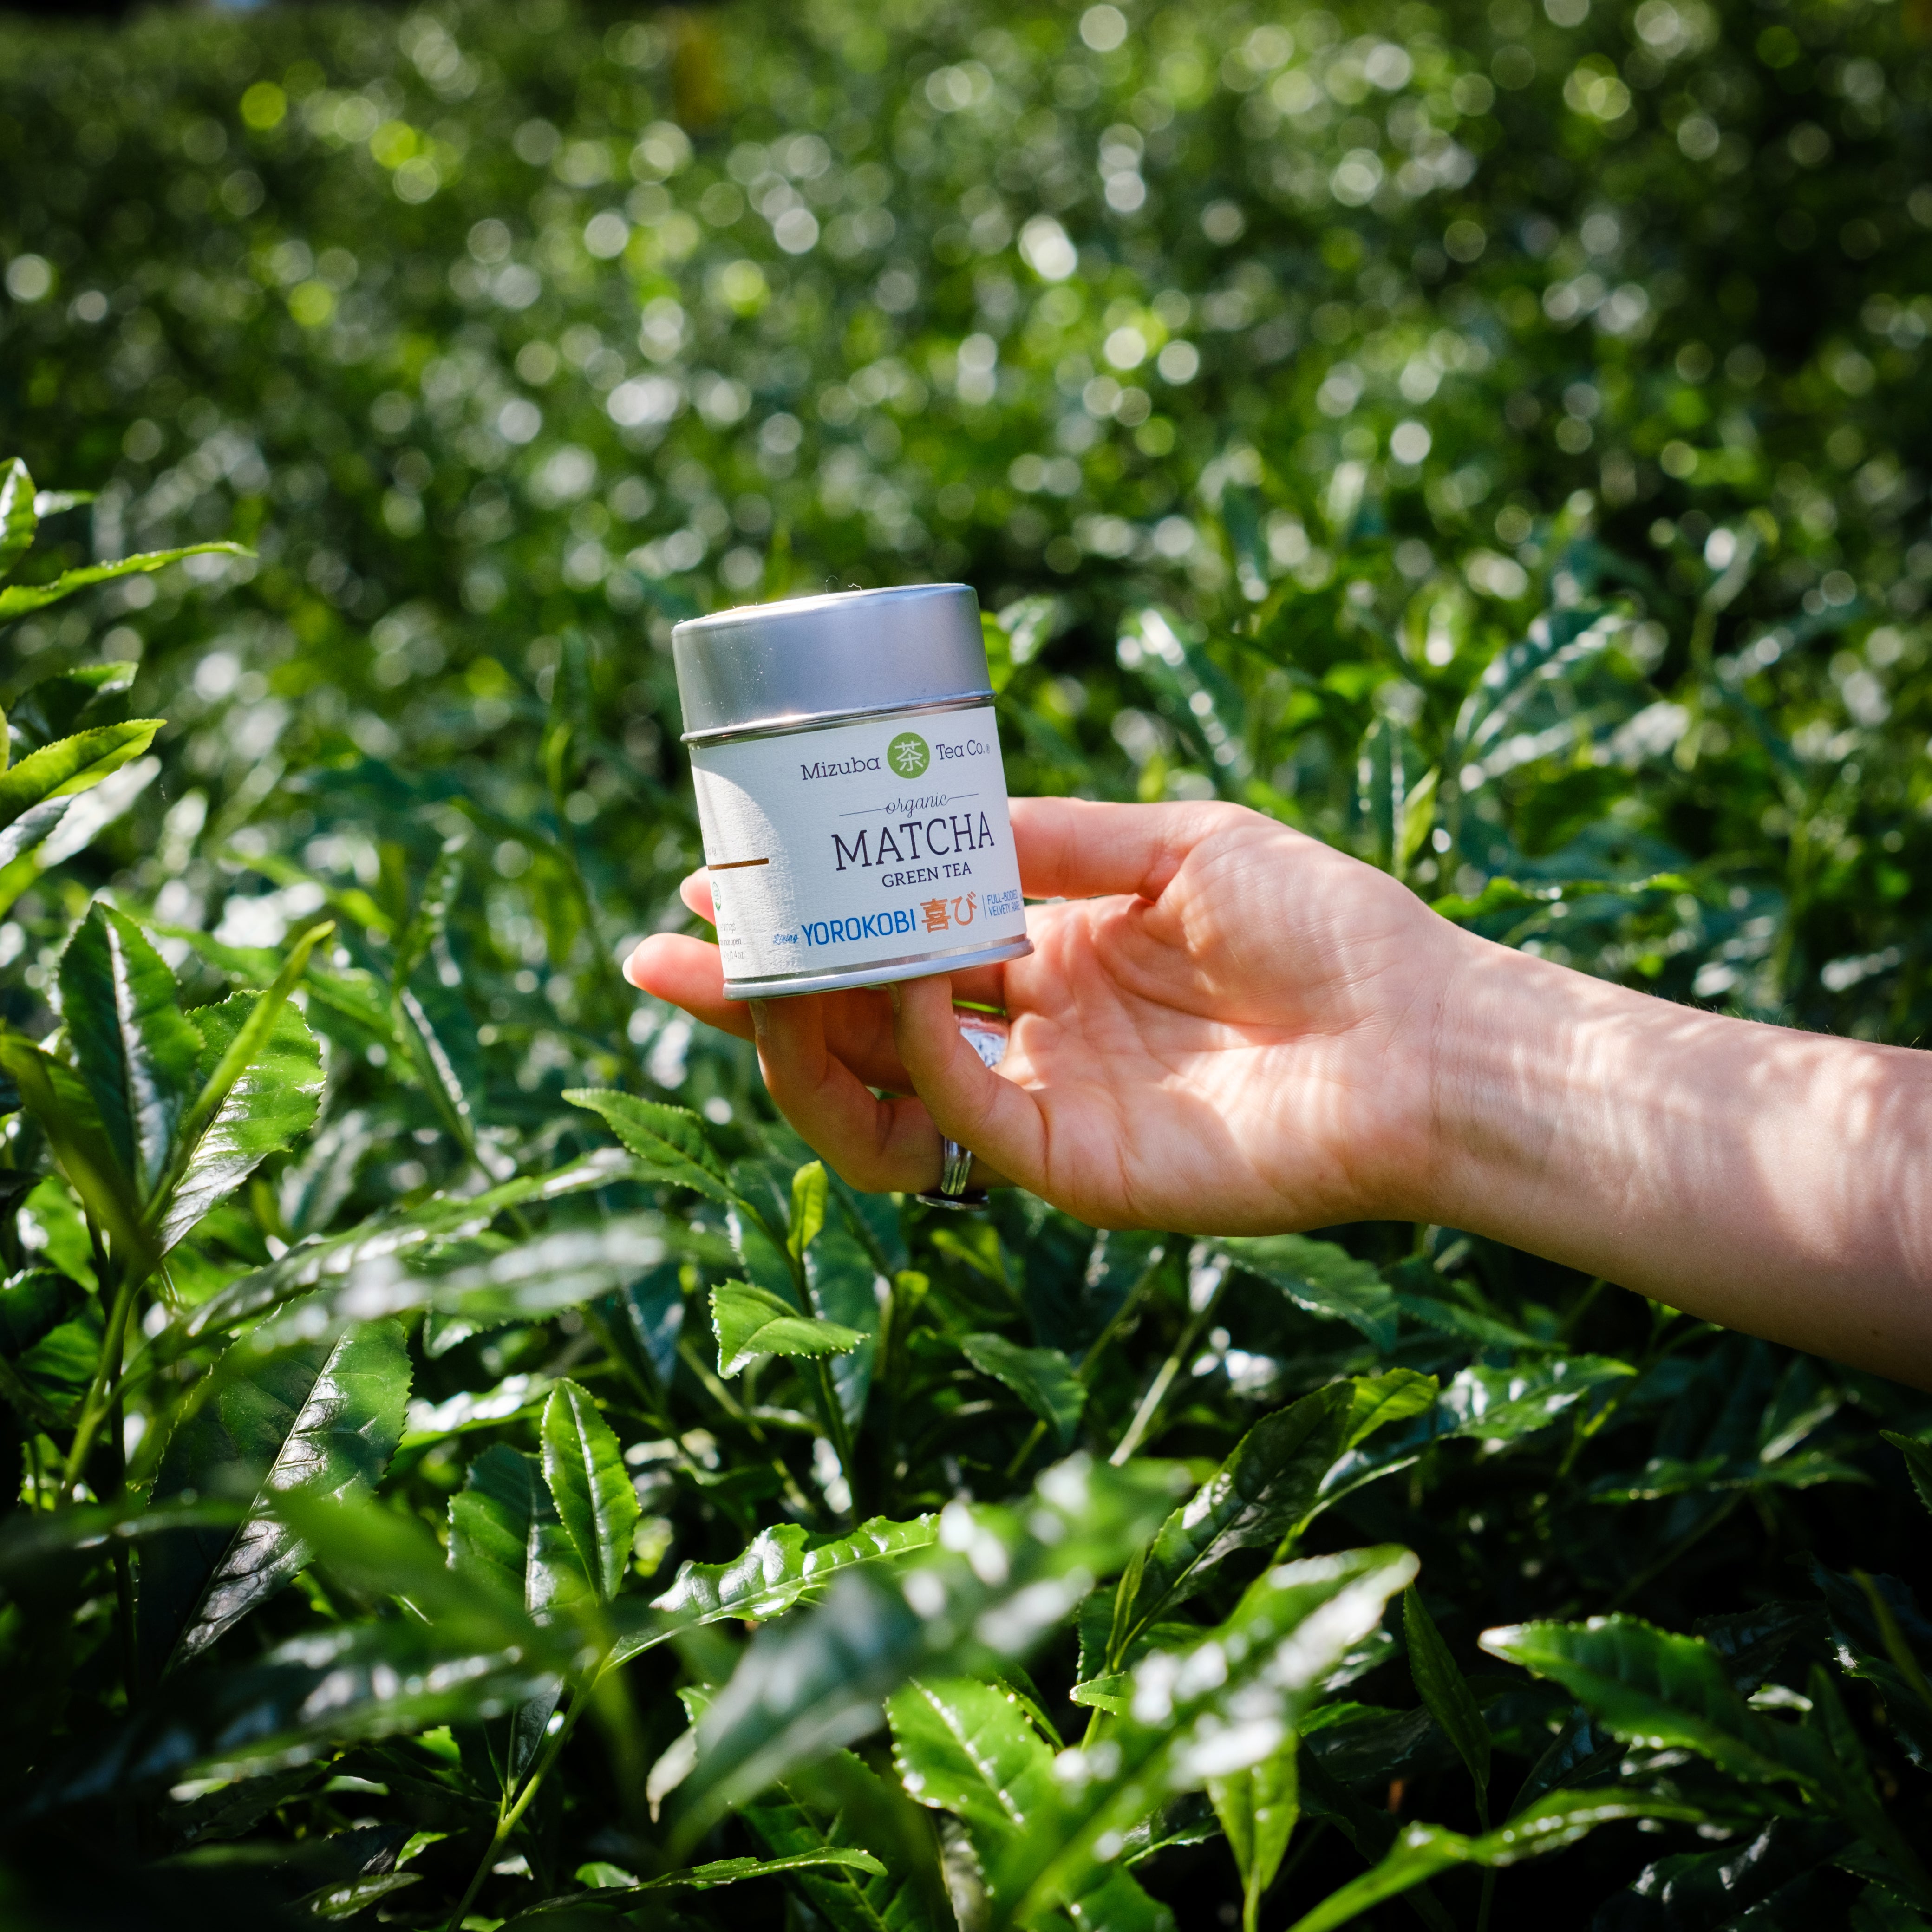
x=909 y=755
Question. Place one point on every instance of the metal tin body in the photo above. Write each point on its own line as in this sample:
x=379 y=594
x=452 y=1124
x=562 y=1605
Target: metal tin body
x=850 y=789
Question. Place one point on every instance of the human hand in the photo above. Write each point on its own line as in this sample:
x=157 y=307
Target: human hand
x=1225 y=1026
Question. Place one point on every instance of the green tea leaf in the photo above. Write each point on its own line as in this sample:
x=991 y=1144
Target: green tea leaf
x=781 y=1567
x=1392 y=1397
x=1917 y=1462
x=325 y=1417
x=270 y=1101
x=1651 y=1688
x=1217 y=1707
x=1258 y=1496
x=844 y=1287
x=35 y=792
x=967 y=1747
x=671 y=1141
x=305 y=1698
x=808 y=1208
x=504 y=1526
x=584 y=1464
x=1042 y=1378
x=1000 y=1580
x=374 y=1243
x=129 y=1041
x=1321 y=1278
x=729 y=1871
x=839 y=1802
x=1258 y=1808
x=534 y=1278
x=18 y=518
x=60 y=1100
x=1446 y=1691
x=1422 y=1850
x=1502 y=1405
x=749 y=1321
x=17 y=599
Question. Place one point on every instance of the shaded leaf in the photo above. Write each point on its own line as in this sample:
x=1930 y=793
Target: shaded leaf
x=838 y=1802
x=1042 y=1378
x=1444 y=1690
x=844 y=1287
x=504 y=1530
x=303 y=1698
x=1321 y=1278
x=1422 y=1850
x=1917 y=1462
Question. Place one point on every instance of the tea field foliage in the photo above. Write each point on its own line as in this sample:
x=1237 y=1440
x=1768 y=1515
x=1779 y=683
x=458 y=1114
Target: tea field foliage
x=466 y=1463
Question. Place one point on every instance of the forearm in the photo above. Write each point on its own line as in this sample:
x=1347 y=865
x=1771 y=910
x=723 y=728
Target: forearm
x=1778 y=1182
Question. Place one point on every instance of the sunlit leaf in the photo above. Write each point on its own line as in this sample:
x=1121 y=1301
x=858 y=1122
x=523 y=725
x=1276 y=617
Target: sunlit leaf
x=325 y=1418
x=17 y=599
x=751 y=1321
x=1000 y=1581
x=669 y=1141
x=584 y=1464
x=129 y=1040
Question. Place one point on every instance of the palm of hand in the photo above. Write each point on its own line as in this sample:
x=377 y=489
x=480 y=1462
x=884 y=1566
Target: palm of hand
x=1217 y=1057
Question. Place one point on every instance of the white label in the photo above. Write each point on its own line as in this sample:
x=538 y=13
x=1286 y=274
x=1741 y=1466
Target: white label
x=855 y=845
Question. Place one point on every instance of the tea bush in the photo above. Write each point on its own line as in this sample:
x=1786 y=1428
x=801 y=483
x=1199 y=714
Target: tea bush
x=1484 y=437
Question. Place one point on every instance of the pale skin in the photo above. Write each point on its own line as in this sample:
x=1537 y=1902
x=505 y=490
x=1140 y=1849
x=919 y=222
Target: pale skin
x=1227 y=1027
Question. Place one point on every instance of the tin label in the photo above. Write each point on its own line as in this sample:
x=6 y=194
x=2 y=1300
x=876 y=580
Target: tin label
x=873 y=844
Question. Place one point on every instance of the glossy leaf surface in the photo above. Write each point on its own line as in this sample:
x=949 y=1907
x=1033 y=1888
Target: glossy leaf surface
x=325 y=1418
x=584 y=1464
x=750 y=1321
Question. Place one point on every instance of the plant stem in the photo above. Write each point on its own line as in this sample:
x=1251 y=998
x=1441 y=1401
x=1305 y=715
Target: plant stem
x=508 y=1813
x=106 y=1377
x=1151 y=1402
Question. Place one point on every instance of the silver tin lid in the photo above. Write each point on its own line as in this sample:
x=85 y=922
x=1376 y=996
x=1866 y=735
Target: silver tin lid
x=811 y=659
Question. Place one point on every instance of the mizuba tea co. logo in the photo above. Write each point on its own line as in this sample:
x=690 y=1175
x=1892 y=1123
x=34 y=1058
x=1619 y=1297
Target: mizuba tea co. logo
x=909 y=755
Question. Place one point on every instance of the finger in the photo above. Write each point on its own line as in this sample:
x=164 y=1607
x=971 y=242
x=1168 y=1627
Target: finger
x=1074 y=848
x=877 y=1145
x=969 y=1103
x=696 y=893
x=691 y=974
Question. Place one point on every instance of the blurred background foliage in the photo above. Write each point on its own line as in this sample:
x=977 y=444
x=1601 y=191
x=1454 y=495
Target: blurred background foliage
x=1273 y=373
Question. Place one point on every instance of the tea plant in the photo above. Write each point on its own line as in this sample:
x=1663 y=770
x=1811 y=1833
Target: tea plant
x=996 y=1674
x=464 y=1461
